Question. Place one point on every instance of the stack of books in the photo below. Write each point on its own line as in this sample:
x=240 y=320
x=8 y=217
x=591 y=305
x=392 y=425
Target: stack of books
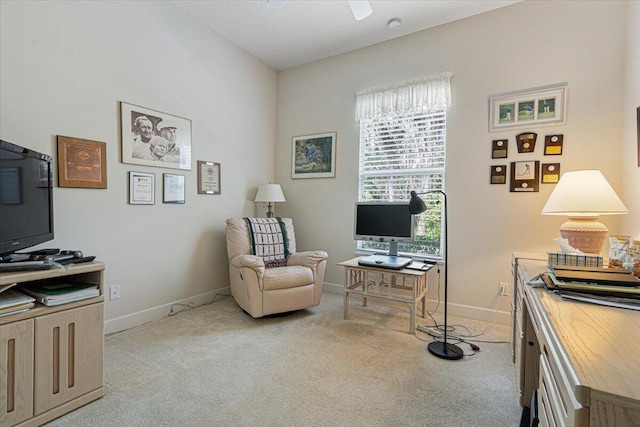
x=12 y=302
x=61 y=293
x=611 y=287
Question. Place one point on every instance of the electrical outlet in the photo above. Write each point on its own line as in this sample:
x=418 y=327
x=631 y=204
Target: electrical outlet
x=503 y=289
x=114 y=292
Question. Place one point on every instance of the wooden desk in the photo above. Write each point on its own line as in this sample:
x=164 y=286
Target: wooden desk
x=584 y=359
x=404 y=286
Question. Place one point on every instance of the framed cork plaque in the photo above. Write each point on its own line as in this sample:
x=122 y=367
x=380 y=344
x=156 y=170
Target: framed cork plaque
x=81 y=163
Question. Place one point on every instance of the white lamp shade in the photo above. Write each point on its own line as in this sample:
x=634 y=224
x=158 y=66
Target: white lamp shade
x=269 y=193
x=584 y=193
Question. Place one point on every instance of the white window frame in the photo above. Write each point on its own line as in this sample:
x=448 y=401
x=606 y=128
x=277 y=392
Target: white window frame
x=416 y=161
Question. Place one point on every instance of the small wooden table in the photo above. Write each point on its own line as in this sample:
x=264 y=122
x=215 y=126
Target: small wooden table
x=406 y=286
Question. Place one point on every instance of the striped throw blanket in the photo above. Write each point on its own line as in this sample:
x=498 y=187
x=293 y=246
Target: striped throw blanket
x=269 y=240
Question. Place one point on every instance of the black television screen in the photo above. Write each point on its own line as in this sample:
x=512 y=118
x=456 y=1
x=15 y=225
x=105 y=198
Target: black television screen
x=26 y=198
x=383 y=222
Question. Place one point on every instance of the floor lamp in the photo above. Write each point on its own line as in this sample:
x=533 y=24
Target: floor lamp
x=441 y=349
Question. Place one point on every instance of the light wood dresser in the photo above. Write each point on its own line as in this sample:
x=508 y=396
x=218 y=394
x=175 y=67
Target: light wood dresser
x=51 y=358
x=584 y=359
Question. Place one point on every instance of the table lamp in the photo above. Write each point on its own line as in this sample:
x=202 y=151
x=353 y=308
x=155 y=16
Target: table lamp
x=582 y=196
x=269 y=193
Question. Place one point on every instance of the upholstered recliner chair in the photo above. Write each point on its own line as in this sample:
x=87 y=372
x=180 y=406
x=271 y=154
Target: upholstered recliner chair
x=267 y=275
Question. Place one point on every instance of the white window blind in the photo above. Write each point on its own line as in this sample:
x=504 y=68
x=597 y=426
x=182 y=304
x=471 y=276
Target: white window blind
x=402 y=148
x=400 y=154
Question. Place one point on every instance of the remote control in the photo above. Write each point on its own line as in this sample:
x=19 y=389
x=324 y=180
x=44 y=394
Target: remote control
x=76 y=260
x=45 y=252
x=25 y=266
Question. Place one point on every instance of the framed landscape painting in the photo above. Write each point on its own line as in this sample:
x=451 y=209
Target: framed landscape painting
x=314 y=156
x=153 y=138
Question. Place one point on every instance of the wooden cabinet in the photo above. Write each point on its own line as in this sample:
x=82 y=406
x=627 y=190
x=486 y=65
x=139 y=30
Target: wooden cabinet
x=581 y=358
x=16 y=372
x=51 y=358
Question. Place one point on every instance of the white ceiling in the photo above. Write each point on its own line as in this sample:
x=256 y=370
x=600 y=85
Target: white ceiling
x=304 y=31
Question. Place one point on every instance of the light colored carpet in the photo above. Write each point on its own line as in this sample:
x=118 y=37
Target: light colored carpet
x=216 y=366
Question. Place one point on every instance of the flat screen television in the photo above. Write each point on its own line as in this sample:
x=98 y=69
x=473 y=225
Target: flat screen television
x=384 y=222
x=26 y=199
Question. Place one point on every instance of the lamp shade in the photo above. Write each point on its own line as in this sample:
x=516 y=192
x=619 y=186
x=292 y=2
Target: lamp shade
x=583 y=196
x=584 y=193
x=416 y=204
x=269 y=193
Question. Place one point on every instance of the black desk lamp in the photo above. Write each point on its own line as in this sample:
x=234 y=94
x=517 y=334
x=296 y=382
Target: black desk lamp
x=441 y=349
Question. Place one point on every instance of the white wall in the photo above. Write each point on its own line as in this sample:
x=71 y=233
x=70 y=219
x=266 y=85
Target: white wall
x=522 y=46
x=630 y=224
x=64 y=68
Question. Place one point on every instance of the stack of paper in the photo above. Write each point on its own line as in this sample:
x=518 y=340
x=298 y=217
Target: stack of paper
x=12 y=302
x=62 y=293
x=602 y=293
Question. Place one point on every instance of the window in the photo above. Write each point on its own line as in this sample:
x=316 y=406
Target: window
x=398 y=155
x=402 y=148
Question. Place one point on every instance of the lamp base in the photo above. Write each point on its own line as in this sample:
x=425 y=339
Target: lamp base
x=585 y=233
x=445 y=350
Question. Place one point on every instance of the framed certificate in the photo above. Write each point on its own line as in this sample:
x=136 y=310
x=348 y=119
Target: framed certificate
x=142 y=188
x=208 y=177
x=173 y=189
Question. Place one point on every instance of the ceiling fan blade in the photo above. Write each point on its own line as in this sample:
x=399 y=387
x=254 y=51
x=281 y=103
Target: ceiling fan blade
x=360 y=8
x=276 y=4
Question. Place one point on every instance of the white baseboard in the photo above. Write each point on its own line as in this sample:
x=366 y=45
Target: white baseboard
x=156 y=313
x=459 y=310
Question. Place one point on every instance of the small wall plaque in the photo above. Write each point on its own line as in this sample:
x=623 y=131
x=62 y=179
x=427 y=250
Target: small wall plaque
x=499 y=148
x=499 y=174
x=526 y=142
x=553 y=145
x=550 y=173
x=524 y=177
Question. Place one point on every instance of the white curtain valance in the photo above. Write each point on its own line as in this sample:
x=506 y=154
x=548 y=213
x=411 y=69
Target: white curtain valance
x=428 y=94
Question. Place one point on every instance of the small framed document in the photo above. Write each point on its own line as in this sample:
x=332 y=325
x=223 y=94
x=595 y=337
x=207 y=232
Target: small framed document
x=208 y=177
x=173 y=188
x=142 y=188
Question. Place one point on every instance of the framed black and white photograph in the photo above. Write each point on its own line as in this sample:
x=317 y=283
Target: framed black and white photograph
x=208 y=177
x=314 y=156
x=153 y=138
x=541 y=106
x=142 y=187
x=173 y=188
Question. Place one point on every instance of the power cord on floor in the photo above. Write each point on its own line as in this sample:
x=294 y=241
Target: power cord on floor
x=436 y=331
x=182 y=307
